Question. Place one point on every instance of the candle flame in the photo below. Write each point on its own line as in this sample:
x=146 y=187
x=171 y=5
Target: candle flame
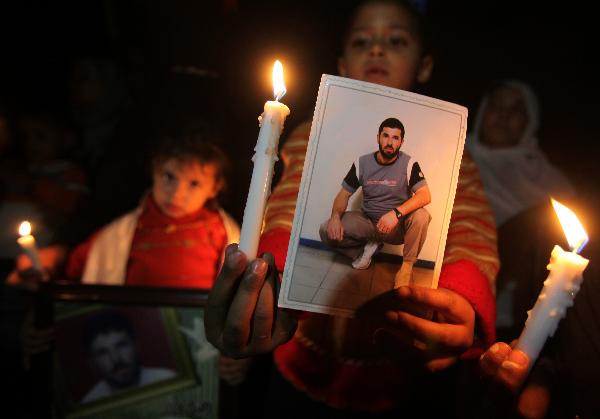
x=278 y=85
x=576 y=235
x=25 y=228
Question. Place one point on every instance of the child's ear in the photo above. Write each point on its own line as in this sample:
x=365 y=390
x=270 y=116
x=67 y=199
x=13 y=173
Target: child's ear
x=341 y=64
x=425 y=69
x=219 y=185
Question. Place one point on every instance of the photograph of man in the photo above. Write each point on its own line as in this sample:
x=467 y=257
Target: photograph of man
x=394 y=194
x=112 y=350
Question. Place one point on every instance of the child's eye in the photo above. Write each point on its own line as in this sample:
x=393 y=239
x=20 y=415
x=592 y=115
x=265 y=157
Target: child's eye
x=168 y=176
x=360 y=42
x=397 y=41
x=194 y=184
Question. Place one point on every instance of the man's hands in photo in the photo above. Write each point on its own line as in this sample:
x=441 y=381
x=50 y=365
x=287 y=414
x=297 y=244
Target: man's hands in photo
x=387 y=222
x=335 y=228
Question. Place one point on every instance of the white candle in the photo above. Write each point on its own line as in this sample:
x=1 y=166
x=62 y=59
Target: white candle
x=265 y=156
x=27 y=243
x=560 y=288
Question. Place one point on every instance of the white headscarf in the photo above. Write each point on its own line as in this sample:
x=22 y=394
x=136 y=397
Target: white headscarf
x=519 y=177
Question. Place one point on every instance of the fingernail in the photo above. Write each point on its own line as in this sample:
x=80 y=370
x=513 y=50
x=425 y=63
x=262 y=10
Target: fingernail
x=392 y=315
x=495 y=348
x=233 y=258
x=232 y=249
x=259 y=266
x=404 y=291
x=510 y=365
x=268 y=257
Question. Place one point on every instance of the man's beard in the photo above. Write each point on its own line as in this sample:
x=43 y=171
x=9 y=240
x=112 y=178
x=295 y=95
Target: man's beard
x=388 y=155
x=129 y=379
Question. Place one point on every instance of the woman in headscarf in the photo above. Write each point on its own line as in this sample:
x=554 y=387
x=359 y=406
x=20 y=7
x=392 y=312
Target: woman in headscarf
x=516 y=174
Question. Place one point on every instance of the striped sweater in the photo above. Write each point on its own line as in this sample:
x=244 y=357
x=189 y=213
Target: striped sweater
x=330 y=358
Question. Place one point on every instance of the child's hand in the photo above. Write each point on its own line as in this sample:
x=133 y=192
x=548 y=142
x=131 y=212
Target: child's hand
x=234 y=371
x=509 y=367
x=505 y=365
x=439 y=342
x=241 y=316
x=28 y=279
x=51 y=257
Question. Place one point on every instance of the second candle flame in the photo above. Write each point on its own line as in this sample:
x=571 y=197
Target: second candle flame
x=278 y=84
x=25 y=228
x=576 y=235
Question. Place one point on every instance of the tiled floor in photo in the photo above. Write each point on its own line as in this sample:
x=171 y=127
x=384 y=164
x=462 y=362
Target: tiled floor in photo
x=327 y=278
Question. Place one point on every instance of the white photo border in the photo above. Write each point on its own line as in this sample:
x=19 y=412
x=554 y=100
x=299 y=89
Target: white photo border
x=327 y=82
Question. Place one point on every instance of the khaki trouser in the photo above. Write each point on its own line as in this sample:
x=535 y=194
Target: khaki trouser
x=359 y=229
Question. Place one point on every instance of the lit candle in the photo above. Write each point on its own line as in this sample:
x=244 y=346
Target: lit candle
x=265 y=156
x=27 y=243
x=560 y=288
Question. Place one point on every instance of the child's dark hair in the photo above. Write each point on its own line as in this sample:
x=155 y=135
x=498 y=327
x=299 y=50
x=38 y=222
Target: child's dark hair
x=423 y=31
x=198 y=143
x=104 y=322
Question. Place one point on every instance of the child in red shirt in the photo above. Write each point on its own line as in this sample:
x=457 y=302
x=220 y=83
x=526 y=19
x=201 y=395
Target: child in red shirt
x=176 y=236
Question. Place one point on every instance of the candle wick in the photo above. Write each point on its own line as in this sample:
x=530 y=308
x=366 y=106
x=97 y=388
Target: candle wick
x=581 y=246
x=280 y=95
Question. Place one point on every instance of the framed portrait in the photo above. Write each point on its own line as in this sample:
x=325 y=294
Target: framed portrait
x=371 y=150
x=123 y=360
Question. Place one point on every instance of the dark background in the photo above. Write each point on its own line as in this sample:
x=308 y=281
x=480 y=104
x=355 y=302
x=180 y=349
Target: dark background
x=235 y=42
x=230 y=46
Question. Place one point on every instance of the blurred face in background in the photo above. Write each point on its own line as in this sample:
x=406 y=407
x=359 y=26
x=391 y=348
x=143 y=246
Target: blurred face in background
x=181 y=188
x=43 y=141
x=505 y=118
x=383 y=46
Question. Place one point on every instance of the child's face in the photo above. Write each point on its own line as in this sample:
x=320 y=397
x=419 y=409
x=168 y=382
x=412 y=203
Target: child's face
x=505 y=118
x=382 y=47
x=182 y=188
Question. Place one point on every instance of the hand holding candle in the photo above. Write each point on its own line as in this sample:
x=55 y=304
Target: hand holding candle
x=265 y=156
x=27 y=243
x=560 y=288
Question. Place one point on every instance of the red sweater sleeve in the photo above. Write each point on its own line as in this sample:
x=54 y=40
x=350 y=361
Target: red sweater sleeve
x=276 y=242
x=464 y=278
x=78 y=257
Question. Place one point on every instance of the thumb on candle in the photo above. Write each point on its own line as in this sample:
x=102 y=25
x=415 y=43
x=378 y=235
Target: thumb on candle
x=505 y=365
x=513 y=370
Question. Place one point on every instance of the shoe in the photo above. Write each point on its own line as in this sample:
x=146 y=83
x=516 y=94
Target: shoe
x=364 y=260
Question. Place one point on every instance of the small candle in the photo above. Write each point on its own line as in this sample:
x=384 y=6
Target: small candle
x=27 y=243
x=265 y=156
x=561 y=286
